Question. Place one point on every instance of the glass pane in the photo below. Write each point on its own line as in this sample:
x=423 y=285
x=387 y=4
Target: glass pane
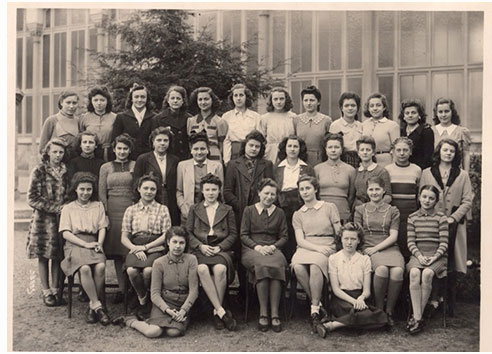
x=60 y=17
x=413 y=38
x=413 y=86
x=252 y=38
x=449 y=85
x=74 y=56
x=46 y=60
x=475 y=37
x=278 y=44
x=28 y=114
x=78 y=16
x=232 y=27
x=207 y=21
x=330 y=91
x=354 y=84
x=18 y=117
x=447 y=38
x=354 y=39
x=475 y=98
x=386 y=88
x=386 y=38
x=29 y=68
x=19 y=62
x=60 y=59
x=54 y=103
x=46 y=107
x=330 y=40
x=47 y=18
x=301 y=41
x=295 y=94
x=20 y=19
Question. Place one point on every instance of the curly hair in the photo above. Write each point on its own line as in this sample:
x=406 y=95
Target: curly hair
x=288 y=100
x=330 y=136
x=436 y=157
x=177 y=231
x=161 y=131
x=455 y=118
x=182 y=91
x=376 y=180
x=311 y=179
x=282 y=153
x=213 y=96
x=65 y=94
x=124 y=138
x=78 y=140
x=412 y=102
x=195 y=137
x=353 y=227
x=384 y=101
x=211 y=179
x=366 y=139
x=247 y=93
x=129 y=99
x=83 y=177
x=148 y=177
x=312 y=90
x=45 y=157
x=349 y=96
x=254 y=135
x=402 y=139
x=266 y=182
x=103 y=91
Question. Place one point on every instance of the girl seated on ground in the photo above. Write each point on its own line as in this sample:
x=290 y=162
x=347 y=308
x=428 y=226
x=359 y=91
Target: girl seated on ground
x=350 y=278
x=142 y=232
x=174 y=289
x=83 y=225
x=428 y=243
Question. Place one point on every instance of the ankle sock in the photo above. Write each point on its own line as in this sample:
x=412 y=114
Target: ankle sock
x=47 y=292
x=221 y=312
x=142 y=300
x=315 y=309
x=96 y=305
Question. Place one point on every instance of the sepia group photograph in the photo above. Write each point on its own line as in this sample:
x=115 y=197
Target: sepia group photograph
x=238 y=176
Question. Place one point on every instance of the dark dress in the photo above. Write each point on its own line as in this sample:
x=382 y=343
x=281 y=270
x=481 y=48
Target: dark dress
x=177 y=122
x=423 y=145
x=263 y=229
x=84 y=164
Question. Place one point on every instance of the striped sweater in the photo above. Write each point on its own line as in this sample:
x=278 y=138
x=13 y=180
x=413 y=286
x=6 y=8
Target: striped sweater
x=404 y=180
x=429 y=230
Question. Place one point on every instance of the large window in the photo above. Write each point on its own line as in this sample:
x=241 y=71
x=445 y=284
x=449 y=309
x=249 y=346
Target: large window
x=60 y=60
x=78 y=58
x=301 y=41
x=330 y=40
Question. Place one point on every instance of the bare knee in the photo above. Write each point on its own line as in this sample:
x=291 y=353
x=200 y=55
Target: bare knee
x=219 y=270
x=153 y=331
x=173 y=332
x=427 y=276
x=396 y=273
x=414 y=276
x=85 y=271
x=100 y=268
x=315 y=270
x=382 y=271
x=147 y=272
x=203 y=270
x=300 y=269
x=132 y=272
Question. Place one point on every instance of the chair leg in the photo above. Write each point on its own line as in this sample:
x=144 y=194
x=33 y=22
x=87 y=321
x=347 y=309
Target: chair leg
x=69 y=286
x=284 y=302
x=125 y=292
x=292 y=295
x=445 y=302
x=246 y=305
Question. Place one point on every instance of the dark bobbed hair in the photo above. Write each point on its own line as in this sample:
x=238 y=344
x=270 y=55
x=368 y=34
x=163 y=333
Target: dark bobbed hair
x=412 y=102
x=45 y=157
x=148 y=177
x=196 y=137
x=402 y=139
x=266 y=182
x=83 y=177
x=213 y=96
x=78 y=141
x=349 y=96
x=103 y=91
x=312 y=90
x=384 y=101
x=254 y=135
x=126 y=139
x=355 y=227
x=160 y=131
x=211 y=179
x=455 y=118
x=376 y=179
x=288 y=100
x=282 y=153
x=65 y=94
x=182 y=91
x=247 y=93
x=430 y=187
x=330 y=136
x=129 y=99
x=436 y=157
x=366 y=139
x=177 y=231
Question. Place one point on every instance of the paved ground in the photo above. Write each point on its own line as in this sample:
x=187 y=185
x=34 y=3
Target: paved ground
x=39 y=328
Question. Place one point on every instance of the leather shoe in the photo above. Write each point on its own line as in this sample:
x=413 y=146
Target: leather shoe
x=276 y=327
x=417 y=327
x=315 y=320
x=263 y=327
x=91 y=316
x=410 y=323
x=103 y=316
x=49 y=300
x=229 y=321
x=143 y=311
x=218 y=324
x=321 y=330
x=60 y=301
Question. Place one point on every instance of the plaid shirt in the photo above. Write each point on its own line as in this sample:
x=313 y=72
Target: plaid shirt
x=153 y=218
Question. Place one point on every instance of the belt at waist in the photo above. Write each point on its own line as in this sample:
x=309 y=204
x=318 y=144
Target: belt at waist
x=178 y=291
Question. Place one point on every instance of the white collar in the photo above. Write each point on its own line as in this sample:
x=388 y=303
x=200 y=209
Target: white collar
x=316 y=206
x=237 y=111
x=299 y=163
x=139 y=115
x=440 y=129
x=158 y=157
x=212 y=206
x=196 y=163
x=380 y=120
x=370 y=168
x=260 y=208
x=347 y=124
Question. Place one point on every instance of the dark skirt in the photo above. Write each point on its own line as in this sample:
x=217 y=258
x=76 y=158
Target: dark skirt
x=344 y=312
x=439 y=267
x=290 y=202
x=406 y=207
x=224 y=258
x=116 y=209
x=260 y=267
x=162 y=319
x=142 y=238
x=76 y=256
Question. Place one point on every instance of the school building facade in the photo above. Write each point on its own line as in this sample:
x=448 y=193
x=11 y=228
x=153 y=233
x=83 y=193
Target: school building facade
x=402 y=54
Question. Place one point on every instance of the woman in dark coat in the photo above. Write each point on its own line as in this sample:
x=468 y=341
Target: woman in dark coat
x=136 y=121
x=160 y=140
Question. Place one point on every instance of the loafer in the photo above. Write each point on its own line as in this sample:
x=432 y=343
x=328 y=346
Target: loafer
x=118 y=298
x=321 y=330
x=49 y=300
x=82 y=296
x=323 y=314
x=410 y=323
x=118 y=321
x=417 y=327
x=276 y=327
x=229 y=321
x=263 y=327
x=315 y=320
x=91 y=316
x=103 y=316
x=60 y=301
x=143 y=311
x=218 y=324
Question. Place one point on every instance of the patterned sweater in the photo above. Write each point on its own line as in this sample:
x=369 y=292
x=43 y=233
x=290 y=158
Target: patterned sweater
x=426 y=229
